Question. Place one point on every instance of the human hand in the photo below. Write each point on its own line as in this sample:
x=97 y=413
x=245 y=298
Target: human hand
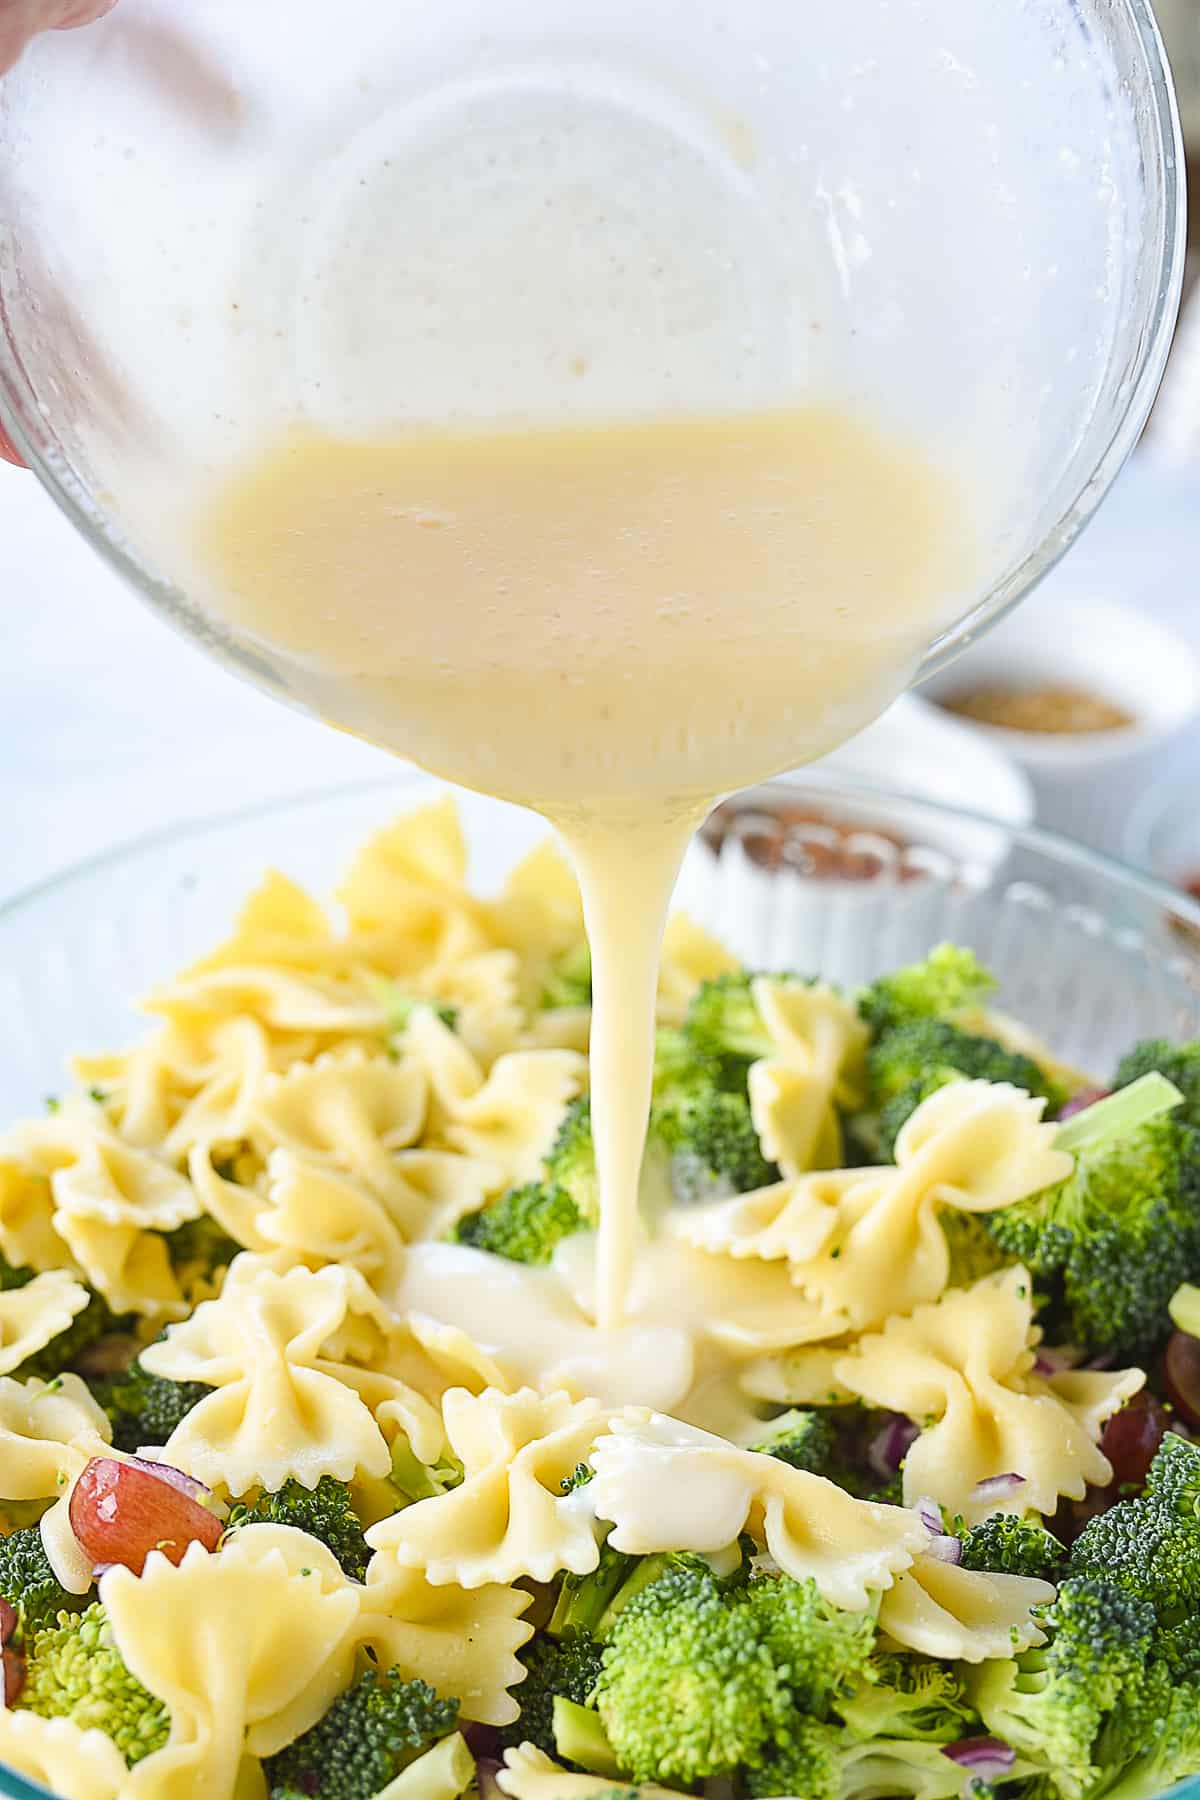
x=21 y=20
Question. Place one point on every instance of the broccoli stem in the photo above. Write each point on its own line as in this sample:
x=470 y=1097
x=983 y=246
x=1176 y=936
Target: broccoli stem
x=442 y=1773
x=1109 y=1120
x=579 y=1738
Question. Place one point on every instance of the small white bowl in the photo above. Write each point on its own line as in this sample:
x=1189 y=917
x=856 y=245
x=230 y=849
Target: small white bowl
x=1085 y=782
x=916 y=748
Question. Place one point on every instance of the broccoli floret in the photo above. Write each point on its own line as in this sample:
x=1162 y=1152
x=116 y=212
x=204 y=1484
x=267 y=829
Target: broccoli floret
x=725 y=1031
x=570 y=1164
x=324 y=1512
x=75 y=1671
x=1179 y=1063
x=1050 y=1703
x=908 y=1697
x=1111 y=1243
x=569 y=979
x=820 y=1762
x=566 y=1667
x=807 y=1762
x=909 y=1062
x=376 y=1728
x=1006 y=1545
x=400 y=1008
x=974 y=1252
x=586 y=1604
x=415 y=1480
x=579 y=1477
x=677 y=1066
x=1152 y=1740
x=525 y=1225
x=712 y=1143
x=28 y=1582
x=1150 y=1546
x=803 y=1439
x=145 y=1409
x=837 y=1442
x=948 y=982
x=702 y=1676
x=199 y=1248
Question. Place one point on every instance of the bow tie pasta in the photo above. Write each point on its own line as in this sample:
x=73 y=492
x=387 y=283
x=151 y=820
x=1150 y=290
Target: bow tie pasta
x=246 y=1649
x=864 y=1244
x=509 y=1518
x=967 y=1363
x=83 y=1765
x=462 y=1641
x=298 y=1365
x=33 y=1316
x=814 y=1071
x=669 y=1486
x=965 y=1615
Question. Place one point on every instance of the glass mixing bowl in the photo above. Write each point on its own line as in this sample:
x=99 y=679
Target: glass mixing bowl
x=223 y=221
x=813 y=875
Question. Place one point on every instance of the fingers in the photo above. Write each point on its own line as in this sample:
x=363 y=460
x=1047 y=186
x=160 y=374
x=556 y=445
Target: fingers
x=22 y=19
x=19 y=21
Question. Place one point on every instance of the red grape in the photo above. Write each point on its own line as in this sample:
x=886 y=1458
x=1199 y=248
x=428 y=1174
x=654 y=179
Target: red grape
x=120 y=1512
x=1132 y=1437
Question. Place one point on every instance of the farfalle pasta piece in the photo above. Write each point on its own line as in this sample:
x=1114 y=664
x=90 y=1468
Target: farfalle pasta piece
x=117 y=1185
x=409 y=880
x=508 y=1117
x=509 y=1519
x=48 y=1430
x=291 y=1002
x=131 y=1268
x=967 y=1363
x=689 y=956
x=461 y=1641
x=320 y=1217
x=963 y=1615
x=529 y=1774
x=33 y=1315
x=292 y=1397
x=866 y=1243
x=484 y=992
x=31 y=1153
x=818 y=1066
x=670 y=1486
x=75 y=1764
x=247 y=1648
x=236 y=1206
x=348 y=1110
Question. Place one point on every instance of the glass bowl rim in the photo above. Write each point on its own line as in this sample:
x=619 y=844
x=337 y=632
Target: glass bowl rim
x=1056 y=847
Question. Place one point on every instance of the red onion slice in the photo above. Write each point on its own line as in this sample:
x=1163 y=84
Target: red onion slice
x=889 y=1447
x=483 y=1741
x=1057 y=1361
x=486 y=1770
x=930 y=1515
x=985 y=1760
x=185 y=1484
x=945 y=1548
x=996 y=1487
x=1080 y=1102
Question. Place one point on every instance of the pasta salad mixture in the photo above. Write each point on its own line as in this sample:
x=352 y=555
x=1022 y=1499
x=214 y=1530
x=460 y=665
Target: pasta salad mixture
x=317 y=1478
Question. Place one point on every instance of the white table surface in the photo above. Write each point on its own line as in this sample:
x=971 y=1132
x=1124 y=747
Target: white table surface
x=112 y=726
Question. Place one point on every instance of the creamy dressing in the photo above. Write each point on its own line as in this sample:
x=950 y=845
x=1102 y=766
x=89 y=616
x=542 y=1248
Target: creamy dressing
x=613 y=625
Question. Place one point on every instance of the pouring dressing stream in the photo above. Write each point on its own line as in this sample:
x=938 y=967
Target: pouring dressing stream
x=647 y=615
